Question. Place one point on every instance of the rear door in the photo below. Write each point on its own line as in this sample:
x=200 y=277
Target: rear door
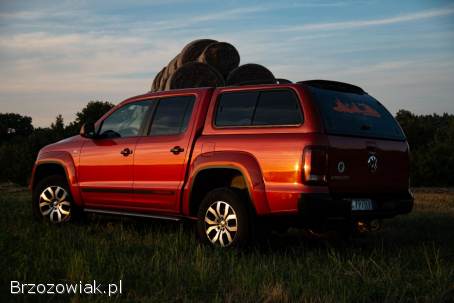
x=161 y=157
x=367 y=150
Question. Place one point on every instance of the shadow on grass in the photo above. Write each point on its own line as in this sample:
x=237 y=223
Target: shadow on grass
x=404 y=232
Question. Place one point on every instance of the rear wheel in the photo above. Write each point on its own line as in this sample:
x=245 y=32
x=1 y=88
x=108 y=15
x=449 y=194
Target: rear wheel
x=223 y=219
x=52 y=201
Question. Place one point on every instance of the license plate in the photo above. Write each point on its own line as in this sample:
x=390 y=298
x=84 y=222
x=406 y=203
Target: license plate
x=362 y=204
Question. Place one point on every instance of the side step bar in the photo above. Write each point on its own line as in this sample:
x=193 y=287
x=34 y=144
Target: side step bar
x=132 y=214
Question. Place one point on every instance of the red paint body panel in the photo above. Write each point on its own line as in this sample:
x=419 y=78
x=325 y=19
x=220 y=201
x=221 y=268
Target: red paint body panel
x=153 y=180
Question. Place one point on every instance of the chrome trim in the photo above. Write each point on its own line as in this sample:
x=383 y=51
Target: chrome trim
x=372 y=163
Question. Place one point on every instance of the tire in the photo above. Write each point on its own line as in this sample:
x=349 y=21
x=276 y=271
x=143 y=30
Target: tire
x=223 y=219
x=52 y=201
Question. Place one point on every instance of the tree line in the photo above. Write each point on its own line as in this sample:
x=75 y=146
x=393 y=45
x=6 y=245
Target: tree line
x=431 y=140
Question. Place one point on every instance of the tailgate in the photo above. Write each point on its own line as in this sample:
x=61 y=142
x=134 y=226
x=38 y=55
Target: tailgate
x=363 y=165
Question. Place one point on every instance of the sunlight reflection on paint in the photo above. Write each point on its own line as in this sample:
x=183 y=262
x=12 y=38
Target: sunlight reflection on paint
x=296 y=169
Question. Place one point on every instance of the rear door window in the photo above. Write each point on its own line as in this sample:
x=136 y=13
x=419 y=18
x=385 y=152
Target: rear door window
x=172 y=115
x=258 y=108
x=355 y=114
x=236 y=109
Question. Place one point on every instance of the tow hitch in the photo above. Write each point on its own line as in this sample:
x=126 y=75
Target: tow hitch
x=368 y=226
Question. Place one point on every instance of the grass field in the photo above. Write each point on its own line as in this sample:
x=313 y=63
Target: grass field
x=410 y=260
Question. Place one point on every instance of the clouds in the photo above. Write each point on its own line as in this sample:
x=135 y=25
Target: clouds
x=62 y=55
x=342 y=25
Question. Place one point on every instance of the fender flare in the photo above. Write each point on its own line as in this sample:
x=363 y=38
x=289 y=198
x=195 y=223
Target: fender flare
x=243 y=162
x=65 y=160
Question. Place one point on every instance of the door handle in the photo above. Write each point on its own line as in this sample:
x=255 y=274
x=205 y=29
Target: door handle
x=126 y=152
x=176 y=150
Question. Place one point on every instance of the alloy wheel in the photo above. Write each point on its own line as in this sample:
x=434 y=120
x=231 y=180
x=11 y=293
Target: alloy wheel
x=221 y=223
x=53 y=203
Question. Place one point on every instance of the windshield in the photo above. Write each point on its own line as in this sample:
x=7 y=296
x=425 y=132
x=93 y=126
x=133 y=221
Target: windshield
x=355 y=114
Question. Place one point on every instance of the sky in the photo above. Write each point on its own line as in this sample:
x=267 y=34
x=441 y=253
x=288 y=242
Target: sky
x=55 y=56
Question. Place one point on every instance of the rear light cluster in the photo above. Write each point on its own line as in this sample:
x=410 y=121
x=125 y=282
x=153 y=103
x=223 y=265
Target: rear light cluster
x=315 y=168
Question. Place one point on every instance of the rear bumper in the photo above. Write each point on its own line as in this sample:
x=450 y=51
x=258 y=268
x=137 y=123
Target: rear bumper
x=326 y=206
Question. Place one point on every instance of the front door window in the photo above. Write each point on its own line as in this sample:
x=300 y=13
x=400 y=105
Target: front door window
x=127 y=121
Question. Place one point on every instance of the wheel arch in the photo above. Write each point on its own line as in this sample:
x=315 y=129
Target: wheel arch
x=229 y=165
x=46 y=169
x=56 y=163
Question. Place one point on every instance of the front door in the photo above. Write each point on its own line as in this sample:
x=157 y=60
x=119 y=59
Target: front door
x=161 y=157
x=106 y=162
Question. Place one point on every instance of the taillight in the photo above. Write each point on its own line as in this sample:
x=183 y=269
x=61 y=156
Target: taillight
x=315 y=167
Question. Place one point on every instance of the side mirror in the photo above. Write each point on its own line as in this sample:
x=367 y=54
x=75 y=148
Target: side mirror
x=88 y=130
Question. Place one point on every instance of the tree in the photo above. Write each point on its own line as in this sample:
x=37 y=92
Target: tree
x=58 y=128
x=58 y=125
x=90 y=113
x=93 y=111
x=12 y=125
x=431 y=140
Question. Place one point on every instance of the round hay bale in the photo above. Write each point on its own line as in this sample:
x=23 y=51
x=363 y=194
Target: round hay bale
x=173 y=65
x=170 y=68
x=195 y=74
x=222 y=56
x=156 y=81
x=167 y=84
x=162 y=82
x=192 y=51
x=250 y=74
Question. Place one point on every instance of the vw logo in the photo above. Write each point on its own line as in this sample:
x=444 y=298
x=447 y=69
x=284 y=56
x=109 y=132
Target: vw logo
x=372 y=163
x=341 y=167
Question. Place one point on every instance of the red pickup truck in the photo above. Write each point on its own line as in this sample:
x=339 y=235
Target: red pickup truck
x=235 y=159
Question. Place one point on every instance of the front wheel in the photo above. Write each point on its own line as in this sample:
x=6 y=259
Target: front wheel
x=223 y=219
x=52 y=200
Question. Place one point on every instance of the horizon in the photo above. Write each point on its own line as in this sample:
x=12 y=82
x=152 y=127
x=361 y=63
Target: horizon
x=66 y=54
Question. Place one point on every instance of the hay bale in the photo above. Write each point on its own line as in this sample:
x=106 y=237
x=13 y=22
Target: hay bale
x=163 y=80
x=222 y=56
x=195 y=74
x=250 y=74
x=192 y=51
x=167 y=84
x=156 y=81
x=173 y=65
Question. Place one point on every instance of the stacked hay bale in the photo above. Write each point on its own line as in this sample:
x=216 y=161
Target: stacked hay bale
x=207 y=62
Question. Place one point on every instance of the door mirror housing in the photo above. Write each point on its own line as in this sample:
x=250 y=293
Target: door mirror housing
x=88 y=130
